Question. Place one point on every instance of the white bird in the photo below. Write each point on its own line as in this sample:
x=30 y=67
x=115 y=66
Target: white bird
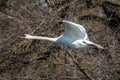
x=75 y=36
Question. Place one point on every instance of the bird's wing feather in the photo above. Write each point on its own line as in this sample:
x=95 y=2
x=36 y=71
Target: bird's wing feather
x=73 y=30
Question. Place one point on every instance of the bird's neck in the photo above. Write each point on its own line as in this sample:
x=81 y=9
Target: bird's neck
x=43 y=38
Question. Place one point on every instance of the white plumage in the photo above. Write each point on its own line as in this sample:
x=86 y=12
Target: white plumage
x=74 y=36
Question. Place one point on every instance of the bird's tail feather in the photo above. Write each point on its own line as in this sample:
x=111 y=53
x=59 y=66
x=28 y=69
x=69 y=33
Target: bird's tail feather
x=98 y=46
x=89 y=43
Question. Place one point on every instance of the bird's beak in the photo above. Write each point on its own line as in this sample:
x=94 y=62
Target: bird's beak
x=22 y=37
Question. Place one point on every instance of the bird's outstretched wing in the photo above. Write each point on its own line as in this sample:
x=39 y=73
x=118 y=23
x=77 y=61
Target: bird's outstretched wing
x=75 y=31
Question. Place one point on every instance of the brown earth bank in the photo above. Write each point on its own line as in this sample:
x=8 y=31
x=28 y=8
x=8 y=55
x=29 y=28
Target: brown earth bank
x=42 y=60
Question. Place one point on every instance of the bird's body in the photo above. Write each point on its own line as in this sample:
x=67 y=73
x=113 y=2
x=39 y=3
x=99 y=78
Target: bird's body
x=74 y=36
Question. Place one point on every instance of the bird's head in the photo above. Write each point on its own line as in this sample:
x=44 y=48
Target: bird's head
x=26 y=36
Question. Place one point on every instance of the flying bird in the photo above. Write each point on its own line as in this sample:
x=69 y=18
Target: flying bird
x=74 y=36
